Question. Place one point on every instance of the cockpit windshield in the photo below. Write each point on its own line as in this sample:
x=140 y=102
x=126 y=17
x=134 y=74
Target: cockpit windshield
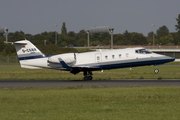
x=143 y=51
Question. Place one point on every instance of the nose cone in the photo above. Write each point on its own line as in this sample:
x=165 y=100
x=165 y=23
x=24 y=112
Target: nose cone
x=161 y=59
x=169 y=59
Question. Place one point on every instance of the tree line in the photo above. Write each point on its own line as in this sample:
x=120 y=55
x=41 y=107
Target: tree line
x=162 y=36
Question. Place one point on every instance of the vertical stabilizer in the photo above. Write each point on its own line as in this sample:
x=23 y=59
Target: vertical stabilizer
x=26 y=50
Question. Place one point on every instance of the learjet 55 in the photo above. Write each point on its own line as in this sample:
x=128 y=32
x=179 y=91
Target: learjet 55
x=31 y=57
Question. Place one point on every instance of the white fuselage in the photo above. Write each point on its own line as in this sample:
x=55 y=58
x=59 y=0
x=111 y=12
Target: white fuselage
x=110 y=59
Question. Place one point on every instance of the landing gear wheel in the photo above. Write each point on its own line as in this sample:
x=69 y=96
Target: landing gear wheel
x=85 y=77
x=88 y=77
x=156 y=70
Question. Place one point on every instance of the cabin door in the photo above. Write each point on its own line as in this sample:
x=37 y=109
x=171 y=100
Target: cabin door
x=98 y=58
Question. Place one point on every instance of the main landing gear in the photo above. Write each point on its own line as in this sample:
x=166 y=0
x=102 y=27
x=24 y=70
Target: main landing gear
x=87 y=75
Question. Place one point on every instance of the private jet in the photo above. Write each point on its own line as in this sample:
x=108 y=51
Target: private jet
x=31 y=57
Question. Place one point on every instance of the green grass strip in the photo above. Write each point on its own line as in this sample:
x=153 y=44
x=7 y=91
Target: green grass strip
x=169 y=71
x=137 y=103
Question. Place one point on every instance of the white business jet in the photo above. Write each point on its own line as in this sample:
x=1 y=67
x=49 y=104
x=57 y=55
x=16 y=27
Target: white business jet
x=31 y=57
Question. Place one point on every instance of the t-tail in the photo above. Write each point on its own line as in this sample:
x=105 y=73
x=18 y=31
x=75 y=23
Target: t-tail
x=27 y=52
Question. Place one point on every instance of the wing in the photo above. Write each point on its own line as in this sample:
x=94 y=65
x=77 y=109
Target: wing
x=76 y=70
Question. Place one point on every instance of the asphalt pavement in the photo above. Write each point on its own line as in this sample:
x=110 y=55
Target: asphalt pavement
x=81 y=83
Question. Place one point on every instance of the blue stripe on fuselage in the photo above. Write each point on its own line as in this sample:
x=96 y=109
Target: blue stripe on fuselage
x=128 y=63
x=34 y=57
x=135 y=64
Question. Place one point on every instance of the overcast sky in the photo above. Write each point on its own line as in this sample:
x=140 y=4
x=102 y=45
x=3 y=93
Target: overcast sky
x=37 y=16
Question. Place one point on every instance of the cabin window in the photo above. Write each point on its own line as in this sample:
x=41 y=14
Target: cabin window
x=119 y=55
x=127 y=55
x=106 y=57
x=113 y=56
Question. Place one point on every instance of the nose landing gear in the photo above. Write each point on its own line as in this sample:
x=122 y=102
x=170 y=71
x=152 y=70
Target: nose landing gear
x=156 y=70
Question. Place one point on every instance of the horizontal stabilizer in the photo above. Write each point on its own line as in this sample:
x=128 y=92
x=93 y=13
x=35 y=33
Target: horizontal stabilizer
x=20 y=42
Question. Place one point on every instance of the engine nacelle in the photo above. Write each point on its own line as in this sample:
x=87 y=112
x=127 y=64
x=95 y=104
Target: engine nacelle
x=68 y=58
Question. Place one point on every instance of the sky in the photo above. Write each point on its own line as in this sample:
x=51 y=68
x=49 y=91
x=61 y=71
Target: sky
x=37 y=16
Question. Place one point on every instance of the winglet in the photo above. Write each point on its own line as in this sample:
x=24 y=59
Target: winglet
x=63 y=63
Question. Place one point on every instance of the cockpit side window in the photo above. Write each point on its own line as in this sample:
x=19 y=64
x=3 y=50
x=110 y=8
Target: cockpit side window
x=146 y=51
x=142 y=51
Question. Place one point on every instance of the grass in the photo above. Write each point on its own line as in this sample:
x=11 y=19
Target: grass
x=169 y=71
x=137 y=103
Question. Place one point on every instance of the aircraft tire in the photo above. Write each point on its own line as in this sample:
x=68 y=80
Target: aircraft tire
x=88 y=77
x=156 y=70
x=85 y=77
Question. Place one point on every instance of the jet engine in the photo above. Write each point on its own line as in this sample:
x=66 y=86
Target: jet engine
x=68 y=58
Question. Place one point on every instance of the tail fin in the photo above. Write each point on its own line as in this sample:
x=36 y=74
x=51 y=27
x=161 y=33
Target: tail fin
x=27 y=51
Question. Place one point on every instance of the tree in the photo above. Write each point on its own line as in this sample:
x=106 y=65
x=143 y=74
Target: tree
x=61 y=40
x=95 y=37
x=165 y=40
x=119 y=39
x=71 y=34
x=178 y=23
x=70 y=40
x=162 y=31
x=1 y=34
x=127 y=35
x=29 y=36
x=53 y=36
x=16 y=36
x=176 y=37
x=138 y=39
x=2 y=44
x=82 y=42
x=8 y=49
x=64 y=29
x=81 y=35
x=150 y=35
x=150 y=38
